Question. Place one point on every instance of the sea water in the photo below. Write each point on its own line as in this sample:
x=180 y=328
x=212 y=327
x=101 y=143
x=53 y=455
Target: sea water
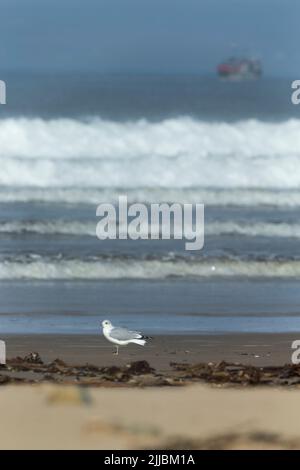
x=68 y=144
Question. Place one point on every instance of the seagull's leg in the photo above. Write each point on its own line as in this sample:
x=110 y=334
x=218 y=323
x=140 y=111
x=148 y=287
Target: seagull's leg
x=117 y=350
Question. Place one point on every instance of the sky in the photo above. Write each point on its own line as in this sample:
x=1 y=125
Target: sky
x=148 y=36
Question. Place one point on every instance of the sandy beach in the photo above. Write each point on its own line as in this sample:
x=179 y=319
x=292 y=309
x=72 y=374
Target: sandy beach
x=192 y=417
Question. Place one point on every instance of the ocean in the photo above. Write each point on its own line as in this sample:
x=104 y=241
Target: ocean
x=71 y=142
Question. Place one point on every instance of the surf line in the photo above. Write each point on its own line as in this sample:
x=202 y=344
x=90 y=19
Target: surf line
x=2 y=92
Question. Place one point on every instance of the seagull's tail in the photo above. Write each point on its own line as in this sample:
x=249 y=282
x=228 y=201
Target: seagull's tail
x=141 y=342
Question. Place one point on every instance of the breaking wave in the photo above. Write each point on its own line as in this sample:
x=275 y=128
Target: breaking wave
x=175 y=153
x=210 y=197
x=88 y=228
x=42 y=268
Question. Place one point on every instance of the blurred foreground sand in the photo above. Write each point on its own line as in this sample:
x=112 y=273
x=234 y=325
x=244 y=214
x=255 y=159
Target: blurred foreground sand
x=190 y=417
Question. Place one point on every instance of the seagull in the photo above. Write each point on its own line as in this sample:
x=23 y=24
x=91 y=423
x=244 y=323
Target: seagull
x=122 y=336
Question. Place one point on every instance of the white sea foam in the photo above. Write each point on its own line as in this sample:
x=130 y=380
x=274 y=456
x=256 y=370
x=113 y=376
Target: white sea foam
x=175 y=153
x=210 y=197
x=45 y=269
x=254 y=229
x=88 y=228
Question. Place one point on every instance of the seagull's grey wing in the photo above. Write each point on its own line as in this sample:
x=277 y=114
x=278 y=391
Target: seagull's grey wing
x=122 y=334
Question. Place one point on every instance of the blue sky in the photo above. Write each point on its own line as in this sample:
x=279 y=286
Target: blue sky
x=148 y=36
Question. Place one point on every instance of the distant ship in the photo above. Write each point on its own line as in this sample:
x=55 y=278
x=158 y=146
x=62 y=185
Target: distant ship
x=239 y=69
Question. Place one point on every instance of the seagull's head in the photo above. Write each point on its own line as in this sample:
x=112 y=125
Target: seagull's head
x=106 y=324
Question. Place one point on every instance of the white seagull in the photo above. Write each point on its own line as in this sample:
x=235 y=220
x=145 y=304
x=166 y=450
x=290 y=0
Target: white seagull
x=122 y=336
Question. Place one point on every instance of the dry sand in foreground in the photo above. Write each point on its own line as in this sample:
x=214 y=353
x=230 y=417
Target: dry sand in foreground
x=199 y=416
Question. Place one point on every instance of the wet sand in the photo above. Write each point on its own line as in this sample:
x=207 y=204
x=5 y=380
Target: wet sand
x=254 y=349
